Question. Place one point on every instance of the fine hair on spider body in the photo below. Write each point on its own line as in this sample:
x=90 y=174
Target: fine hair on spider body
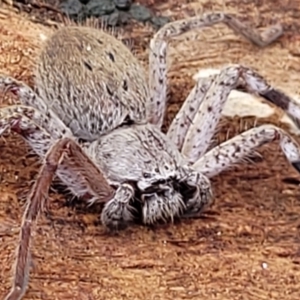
x=96 y=122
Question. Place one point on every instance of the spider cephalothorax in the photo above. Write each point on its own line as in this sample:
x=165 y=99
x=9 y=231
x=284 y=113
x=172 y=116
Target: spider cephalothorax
x=90 y=87
x=158 y=176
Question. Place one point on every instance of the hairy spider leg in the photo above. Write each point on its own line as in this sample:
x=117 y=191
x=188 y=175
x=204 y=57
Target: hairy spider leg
x=76 y=170
x=158 y=52
x=203 y=126
x=234 y=150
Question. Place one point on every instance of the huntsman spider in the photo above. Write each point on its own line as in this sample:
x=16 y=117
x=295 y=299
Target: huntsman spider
x=96 y=122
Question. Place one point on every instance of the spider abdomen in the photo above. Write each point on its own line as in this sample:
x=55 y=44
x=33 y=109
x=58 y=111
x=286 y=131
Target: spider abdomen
x=92 y=81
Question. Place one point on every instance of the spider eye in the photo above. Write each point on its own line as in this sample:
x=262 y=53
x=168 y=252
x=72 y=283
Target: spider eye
x=146 y=175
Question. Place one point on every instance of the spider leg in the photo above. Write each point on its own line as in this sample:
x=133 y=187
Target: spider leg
x=35 y=202
x=55 y=156
x=286 y=103
x=59 y=153
x=184 y=118
x=30 y=117
x=234 y=150
x=22 y=120
x=41 y=132
x=202 y=196
x=28 y=97
x=118 y=213
x=158 y=52
x=74 y=168
x=199 y=135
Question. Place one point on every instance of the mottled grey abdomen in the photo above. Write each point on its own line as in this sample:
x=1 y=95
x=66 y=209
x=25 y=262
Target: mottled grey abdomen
x=91 y=81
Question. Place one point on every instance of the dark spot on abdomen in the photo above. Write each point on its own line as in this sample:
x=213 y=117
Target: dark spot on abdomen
x=111 y=56
x=109 y=91
x=125 y=85
x=88 y=66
